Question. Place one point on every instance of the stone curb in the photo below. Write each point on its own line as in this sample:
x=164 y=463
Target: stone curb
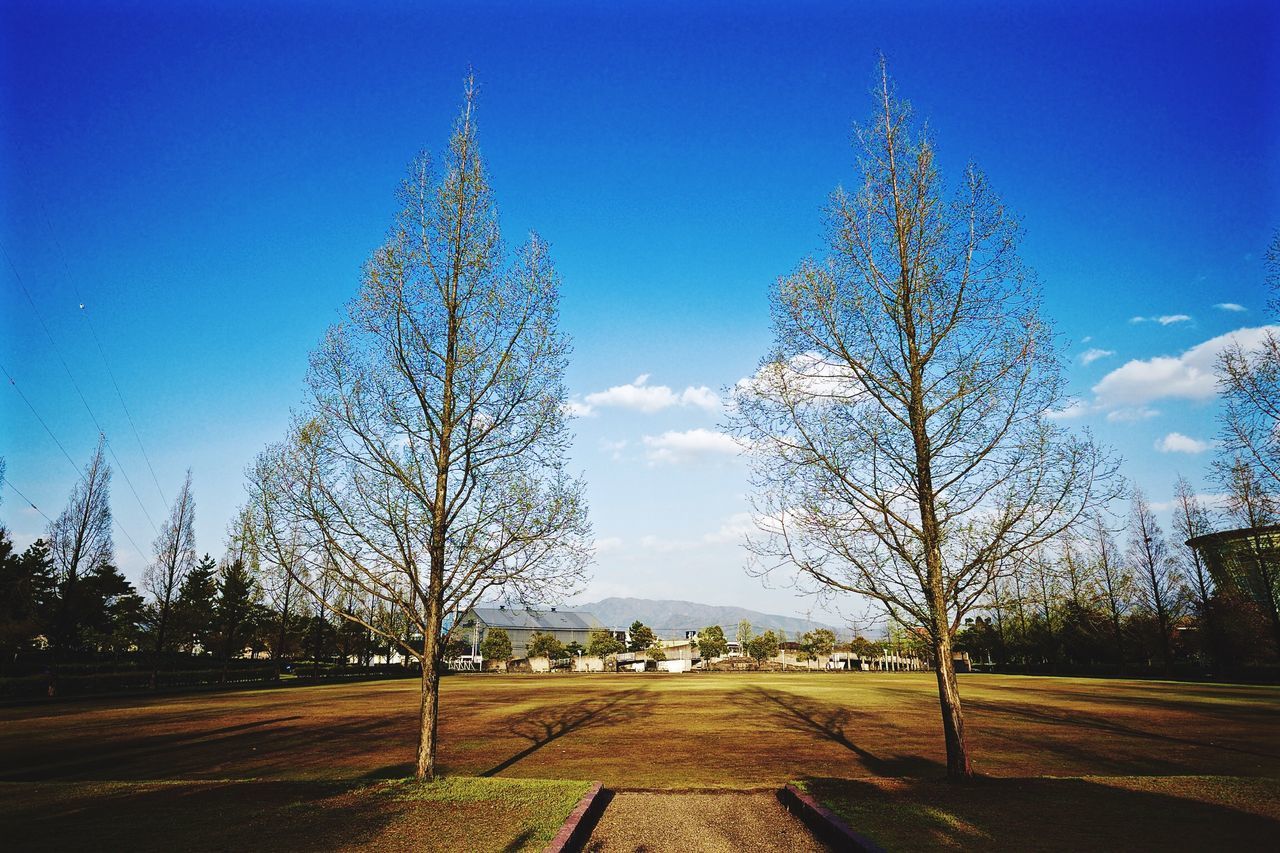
x=577 y=827
x=824 y=823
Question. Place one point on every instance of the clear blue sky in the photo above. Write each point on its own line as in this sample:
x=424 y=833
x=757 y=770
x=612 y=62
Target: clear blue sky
x=208 y=182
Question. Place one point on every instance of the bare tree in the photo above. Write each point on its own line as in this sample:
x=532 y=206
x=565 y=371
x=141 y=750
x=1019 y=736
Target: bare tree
x=1159 y=582
x=1047 y=588
x=274 y=555
x=428 y=468
x=175 y=554
x=1192 y=519
x=1115 y=582
x=899 y=429
x=1253 y=506
x=1249 y=379
x=79 y=541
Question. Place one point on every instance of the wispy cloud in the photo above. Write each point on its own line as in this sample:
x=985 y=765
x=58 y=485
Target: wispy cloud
x=639 y=396
x=1092 y=354
x=1176 y=442
x=688 y=446
x=1230 y=306
x=1131 y=415
x=1163 y=319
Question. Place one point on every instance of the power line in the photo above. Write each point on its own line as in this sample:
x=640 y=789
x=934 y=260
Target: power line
x=29 y=501
x=40 y=419
x=58 y=352
x=93 y=333
x=74 y=466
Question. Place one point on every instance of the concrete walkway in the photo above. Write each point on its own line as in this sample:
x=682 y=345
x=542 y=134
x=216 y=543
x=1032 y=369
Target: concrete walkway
x=699 y=823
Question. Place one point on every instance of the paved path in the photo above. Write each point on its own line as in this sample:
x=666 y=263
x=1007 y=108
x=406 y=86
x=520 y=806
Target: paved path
x=699 y=823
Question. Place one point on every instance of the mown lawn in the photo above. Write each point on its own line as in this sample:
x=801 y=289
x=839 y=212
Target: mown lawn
x=460 y=814
x=1080 y=813
x=1067 y=762
x=657 y=730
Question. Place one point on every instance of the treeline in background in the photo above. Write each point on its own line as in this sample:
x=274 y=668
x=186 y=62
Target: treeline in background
x=72 y=623
x=1130 y=599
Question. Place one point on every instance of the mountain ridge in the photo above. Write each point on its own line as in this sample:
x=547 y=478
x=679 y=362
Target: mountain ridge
x=674 y=616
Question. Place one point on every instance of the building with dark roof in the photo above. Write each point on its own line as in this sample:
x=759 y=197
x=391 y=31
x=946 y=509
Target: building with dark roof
x=567 y=626
x=1248 y=561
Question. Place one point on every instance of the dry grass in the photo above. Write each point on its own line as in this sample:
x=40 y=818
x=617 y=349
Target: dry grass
x=657 y=730
x=451 y=815
x=1150 y=761
x=1081 y=813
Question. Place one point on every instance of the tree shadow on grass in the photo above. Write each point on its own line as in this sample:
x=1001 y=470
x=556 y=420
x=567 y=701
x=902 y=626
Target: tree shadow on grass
x=834 y=723
x=1097 y=722
x=544 y=725
x=141 y=746
x=1134 y=813
x=193 y=816
x=291 y=746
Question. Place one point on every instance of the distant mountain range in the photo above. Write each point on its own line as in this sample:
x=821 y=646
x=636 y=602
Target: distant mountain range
x=673 y=618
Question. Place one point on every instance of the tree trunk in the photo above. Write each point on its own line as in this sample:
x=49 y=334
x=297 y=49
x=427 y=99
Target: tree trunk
x=958 y=767
x=428 y=714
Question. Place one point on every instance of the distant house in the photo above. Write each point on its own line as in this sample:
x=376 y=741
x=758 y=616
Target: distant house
x=566 y=626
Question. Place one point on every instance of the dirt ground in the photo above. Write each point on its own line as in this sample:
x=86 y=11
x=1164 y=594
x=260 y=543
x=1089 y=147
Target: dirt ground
x=699 y=823
x=657 y=730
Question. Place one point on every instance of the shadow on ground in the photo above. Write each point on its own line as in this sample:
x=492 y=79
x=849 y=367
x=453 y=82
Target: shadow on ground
x=1088 y=813
x=547 y=724
x=836 y=724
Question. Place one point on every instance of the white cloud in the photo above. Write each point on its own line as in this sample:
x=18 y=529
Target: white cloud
x=639 y=396
x=1230 y=306
x=1086 y=339
x=807 y=376
x=1189 y=376
x=1131 y=415
x=607 y=543
x=1163 y=319
x=578 y=409
x=734 y=528
x=688 y=446
x=1207 y=500
x=1075 y=410
x=1176 y=442
x=702 y=397
x=614 y=448
x=1092 y=354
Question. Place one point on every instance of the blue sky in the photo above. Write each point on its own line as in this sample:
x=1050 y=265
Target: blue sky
x=208 y=182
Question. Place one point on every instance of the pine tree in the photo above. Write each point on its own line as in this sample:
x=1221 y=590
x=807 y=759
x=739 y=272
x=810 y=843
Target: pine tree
x=193 y=611
x=232 y=610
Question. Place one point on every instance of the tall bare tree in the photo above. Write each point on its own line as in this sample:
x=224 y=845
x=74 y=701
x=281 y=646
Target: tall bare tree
x=174 y=555
x=428 y=468
x=1249 y=378
x=899 y=429
x=1159 y=583
x=273 y=551
x=80 y=541
x=1252 y=505
x=1115 y=582
x=1191 y=519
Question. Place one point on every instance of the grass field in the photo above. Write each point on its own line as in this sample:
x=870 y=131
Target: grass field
x=868 y=742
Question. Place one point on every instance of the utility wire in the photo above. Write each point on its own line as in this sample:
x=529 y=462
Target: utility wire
x=58 y=352
x=71 y=462
x=38 y=418
x=29 y=502
x=93 y=333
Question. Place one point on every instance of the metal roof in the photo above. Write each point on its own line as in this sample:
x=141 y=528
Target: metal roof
x=538 y=620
